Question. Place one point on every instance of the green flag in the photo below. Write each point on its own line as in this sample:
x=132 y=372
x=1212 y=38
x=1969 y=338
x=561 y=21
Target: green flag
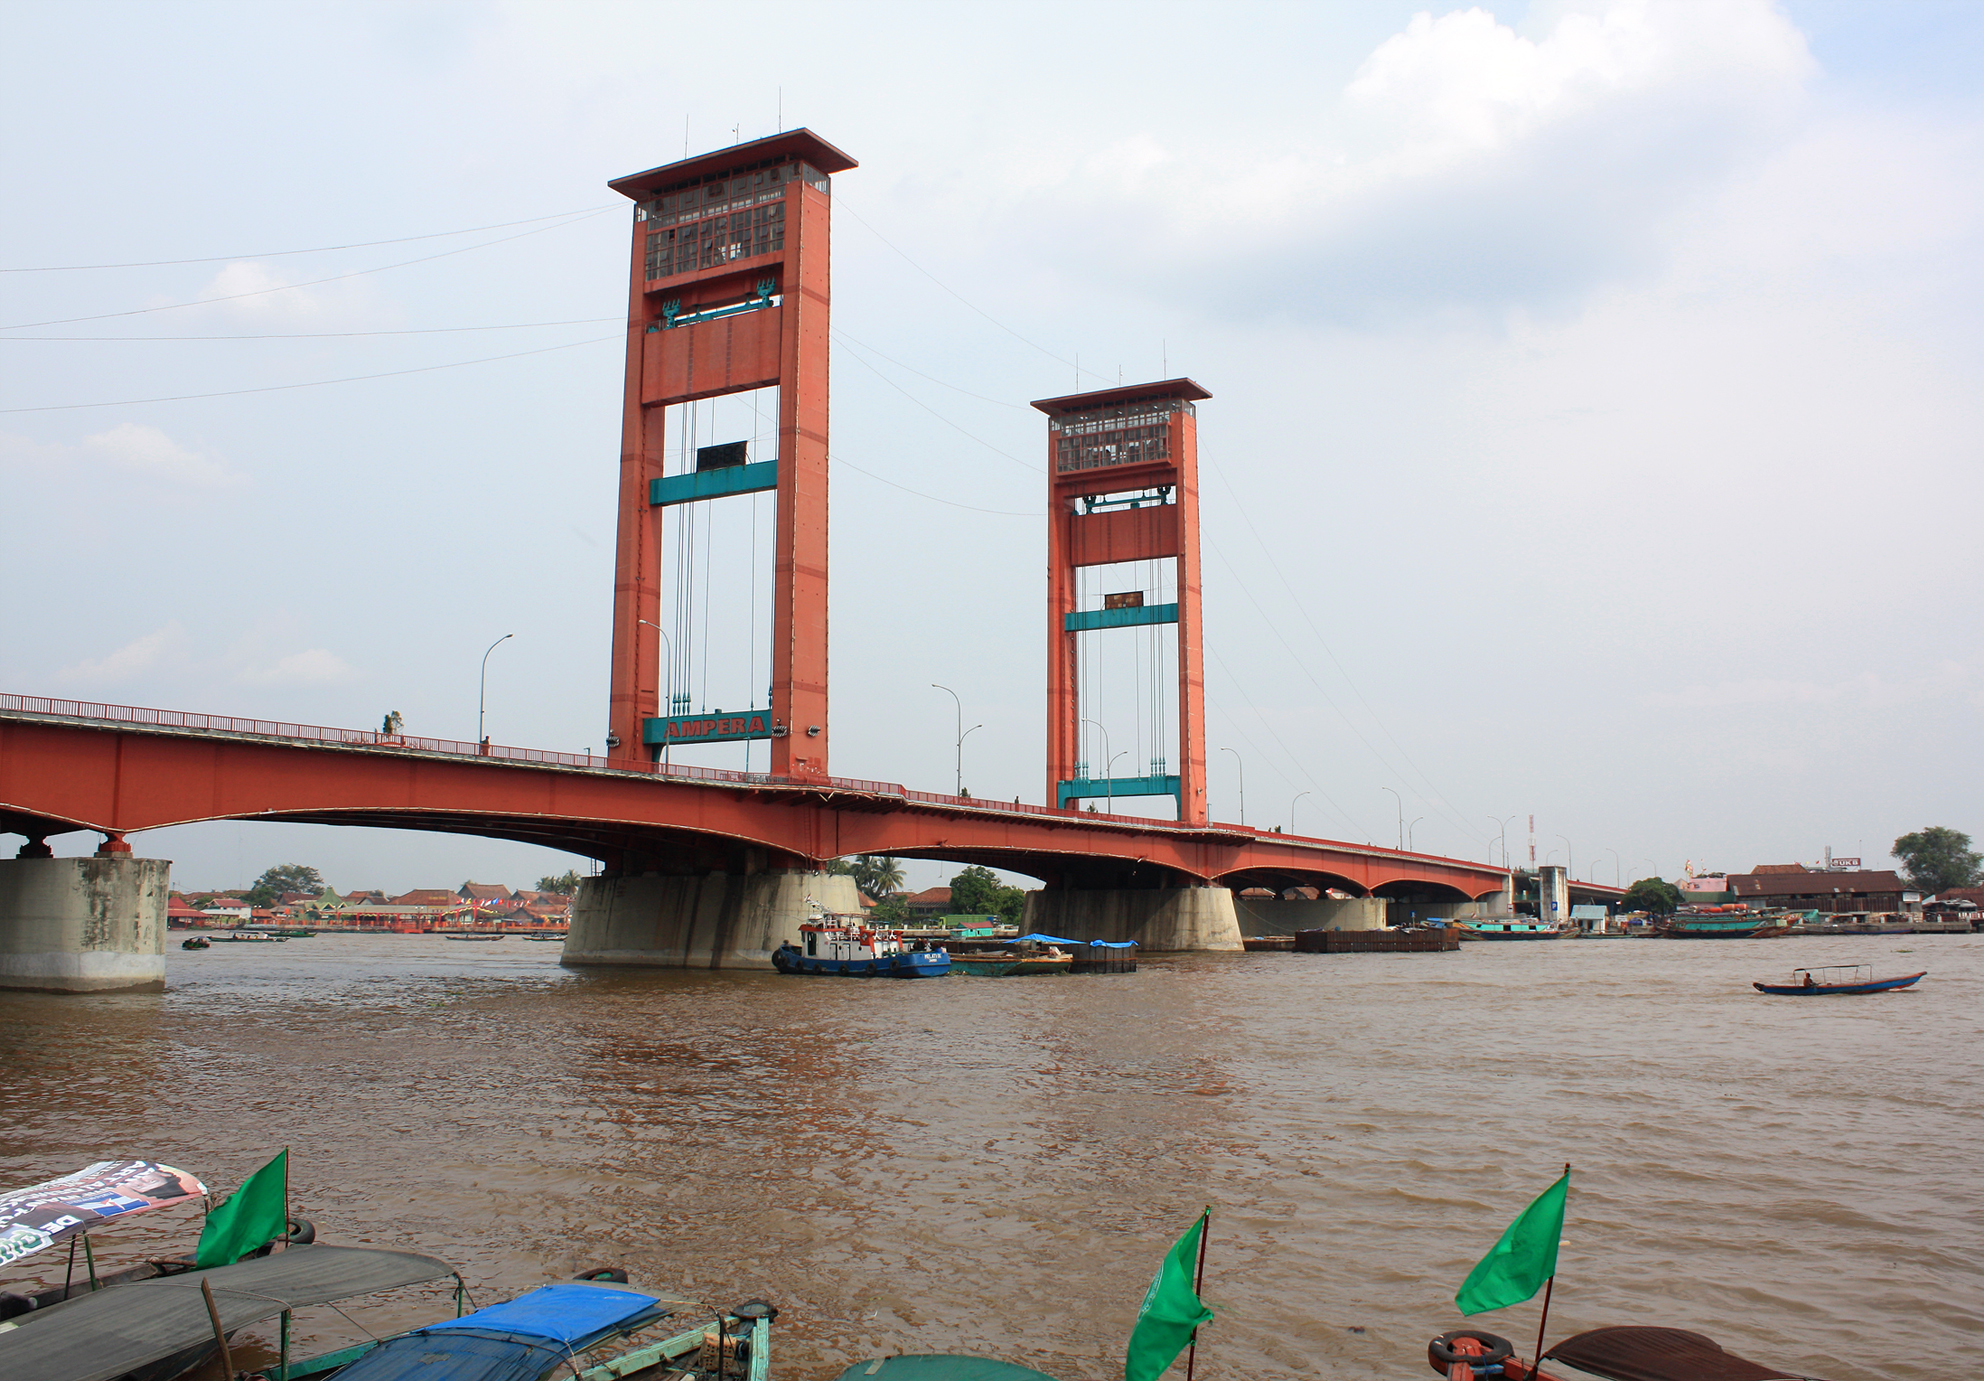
x=251 y=1215
x=1524 y=1258
x=1172 y=1311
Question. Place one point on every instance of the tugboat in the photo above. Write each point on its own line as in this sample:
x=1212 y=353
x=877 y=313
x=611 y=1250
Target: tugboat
x=849 y=947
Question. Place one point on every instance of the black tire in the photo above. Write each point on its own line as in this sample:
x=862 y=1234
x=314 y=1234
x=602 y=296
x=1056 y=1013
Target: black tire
x=1440 y=1353
x=302 y=1232
x=612 y=1275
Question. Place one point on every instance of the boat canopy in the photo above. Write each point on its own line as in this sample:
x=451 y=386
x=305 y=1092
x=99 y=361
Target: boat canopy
x=1038 y=938
x=1659 y=1354
x=518 y=1340
x=109 y=1332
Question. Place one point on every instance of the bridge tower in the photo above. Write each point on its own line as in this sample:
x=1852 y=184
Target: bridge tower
x=1123 y=486
x=729 y=292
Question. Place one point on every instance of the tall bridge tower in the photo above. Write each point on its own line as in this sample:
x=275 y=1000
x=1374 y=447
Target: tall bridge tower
x=1123 y=486
x=729 y=292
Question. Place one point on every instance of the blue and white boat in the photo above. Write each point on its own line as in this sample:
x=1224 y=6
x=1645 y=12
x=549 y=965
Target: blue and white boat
x=849 y=947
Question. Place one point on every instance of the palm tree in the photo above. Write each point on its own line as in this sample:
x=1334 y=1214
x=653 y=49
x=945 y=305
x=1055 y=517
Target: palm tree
x=877 y=874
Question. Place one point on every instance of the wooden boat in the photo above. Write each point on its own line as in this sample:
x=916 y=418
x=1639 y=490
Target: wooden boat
x=1011 y=963
x=1268 y=944
x=1830 y=980
x=160 y=1328
x=849 y=947
x=1507 y=930
x=588 y=1329
x=557 y=938
x=1682 y=926
x=250 y=937
x=1617 y=1354
x=476 y=937
x=196 y=942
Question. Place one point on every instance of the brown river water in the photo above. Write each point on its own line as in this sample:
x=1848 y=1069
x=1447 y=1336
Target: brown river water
x=996 y=1165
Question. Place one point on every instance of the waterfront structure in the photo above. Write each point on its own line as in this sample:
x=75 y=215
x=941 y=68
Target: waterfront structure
x=1797 y=888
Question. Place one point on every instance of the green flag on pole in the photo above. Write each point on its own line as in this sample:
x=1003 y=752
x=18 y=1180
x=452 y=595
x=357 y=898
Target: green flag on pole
x=1524 y=1259
x=1171 y=1312
x=251 y=1215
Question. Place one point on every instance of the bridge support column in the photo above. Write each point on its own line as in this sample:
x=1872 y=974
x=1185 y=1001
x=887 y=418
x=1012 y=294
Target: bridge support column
x=717 y=921
x=1324 y=913
x=83 y=925
x=1158 y=918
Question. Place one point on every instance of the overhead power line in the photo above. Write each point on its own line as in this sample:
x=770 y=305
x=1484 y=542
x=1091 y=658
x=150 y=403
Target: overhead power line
x=320 y=249
x=290 y=287
x=313 y=383
x=330 y=335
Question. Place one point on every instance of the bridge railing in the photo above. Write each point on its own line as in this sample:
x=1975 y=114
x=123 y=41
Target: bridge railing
x=370 y=738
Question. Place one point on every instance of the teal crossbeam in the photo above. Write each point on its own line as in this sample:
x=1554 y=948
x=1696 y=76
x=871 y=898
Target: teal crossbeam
x=713 y=484
x=1087 y=620
x=1101 y=788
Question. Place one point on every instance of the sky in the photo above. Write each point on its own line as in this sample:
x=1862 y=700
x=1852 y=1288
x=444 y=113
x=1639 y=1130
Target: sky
x=1595 y=432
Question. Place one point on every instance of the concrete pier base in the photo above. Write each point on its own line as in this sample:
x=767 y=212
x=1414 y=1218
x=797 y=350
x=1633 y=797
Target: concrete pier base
x=1159 y=919
x=718 y=921
x=1324 y=913
x=83 y=925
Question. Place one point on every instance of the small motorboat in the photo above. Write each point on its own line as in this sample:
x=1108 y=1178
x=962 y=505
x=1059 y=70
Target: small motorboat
x=196 y=942
x=1830 y=980
x=251 y=937
x=162 y=1327
x=478 y=937
x=849 y=947
x=1618 y=1354
x=553 y=1328
x=1507 y=930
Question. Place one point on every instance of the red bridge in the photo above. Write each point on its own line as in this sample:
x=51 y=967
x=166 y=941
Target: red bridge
x=729 y=293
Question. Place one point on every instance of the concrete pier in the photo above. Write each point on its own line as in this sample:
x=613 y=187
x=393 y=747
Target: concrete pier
x=1159 y=919
x=717 y=921
x=1324 y=913
x=83 y=925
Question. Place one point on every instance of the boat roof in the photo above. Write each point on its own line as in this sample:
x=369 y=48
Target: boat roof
x=1660 y=1354
x=1039 y=938
x=513 y=1341
x=109 y=1332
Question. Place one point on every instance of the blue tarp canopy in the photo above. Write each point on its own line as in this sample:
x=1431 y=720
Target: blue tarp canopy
x=1115 y=944
x=1059 y=940
x=564 y=1313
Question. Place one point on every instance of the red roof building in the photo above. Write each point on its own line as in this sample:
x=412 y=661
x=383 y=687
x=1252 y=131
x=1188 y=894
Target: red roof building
x=426 y=896
x=1811 y=890
x=931 y=901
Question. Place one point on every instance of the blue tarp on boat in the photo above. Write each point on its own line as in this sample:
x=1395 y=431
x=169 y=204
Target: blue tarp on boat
x=1113 y=944
x=1038 y=938
x=564 y=1313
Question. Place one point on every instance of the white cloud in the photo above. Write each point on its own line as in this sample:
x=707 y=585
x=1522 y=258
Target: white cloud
x=145 y=450
x=253 y=293
x=314 y=666
x=161 y=650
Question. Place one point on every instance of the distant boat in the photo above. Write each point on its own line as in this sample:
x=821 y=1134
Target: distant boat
x=478 y=937
x=1681 y=926
x=1836 y=980
x=196 y=942
x=1507 y=930
x=250 y=937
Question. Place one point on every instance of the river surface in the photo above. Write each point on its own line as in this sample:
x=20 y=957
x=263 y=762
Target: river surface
x=997 y=1165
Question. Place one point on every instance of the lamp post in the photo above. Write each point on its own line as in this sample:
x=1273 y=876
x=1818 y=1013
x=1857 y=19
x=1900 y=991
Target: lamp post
x=1617 y=870
x=961 y=731
x=482 y=687
x=1108 y=764
x=1502 y=832
x=1401 y=815
x=1408 y=834
x=1240 y=765
x=961 y=738
x=1570 y=858
x=1291 y=809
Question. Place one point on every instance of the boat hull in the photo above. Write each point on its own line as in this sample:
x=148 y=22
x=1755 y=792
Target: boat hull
x=913 y=964
x=1010 y=967
x=1879 y=985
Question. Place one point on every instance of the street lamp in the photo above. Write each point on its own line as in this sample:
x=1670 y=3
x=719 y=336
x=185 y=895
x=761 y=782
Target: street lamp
x=1408 y=834
x=669 y=643
x=1240 y=764
x=482 y=687
x=1570 y=858
x=1108 y=765
x=967 y=734
x=1502 y=828
x=1401 y=815
x=961 y=732
x=1291 y=809
x=1617 y=870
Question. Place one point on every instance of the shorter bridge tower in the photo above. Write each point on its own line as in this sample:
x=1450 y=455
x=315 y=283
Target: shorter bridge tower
x=1123 y=486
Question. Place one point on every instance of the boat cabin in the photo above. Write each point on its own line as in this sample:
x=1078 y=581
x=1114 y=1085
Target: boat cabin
x=849 y=938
